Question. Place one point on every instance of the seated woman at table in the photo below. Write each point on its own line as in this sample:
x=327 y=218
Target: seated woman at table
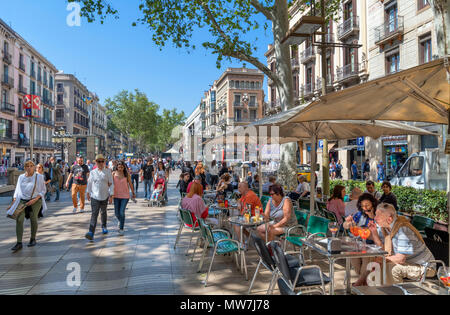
x=280 y=210
x=336 y=203
x=367 y=205
x=255 y=182
x=194 y=202
x=224 y=183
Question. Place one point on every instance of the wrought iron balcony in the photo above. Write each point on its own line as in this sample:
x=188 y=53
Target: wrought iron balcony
x=7 y=81
x=294 y=63
x=308 y=54
x=22 y=66
x=347 y=72
x=23 y=90
x=7 y=58
x=348 y=28
x=307 y=89
x=389 y=31
x=328 y=81
x=7 y=108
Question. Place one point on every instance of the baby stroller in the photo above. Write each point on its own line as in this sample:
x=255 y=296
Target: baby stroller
x=158 y=200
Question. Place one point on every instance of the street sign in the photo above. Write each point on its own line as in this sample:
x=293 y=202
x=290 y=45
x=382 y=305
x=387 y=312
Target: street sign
x=320 y=144
x=360 y=144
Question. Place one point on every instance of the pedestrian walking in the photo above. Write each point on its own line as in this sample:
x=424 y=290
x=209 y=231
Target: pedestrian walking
x=148 y=172
x=354 y=170
x=339 y=169
x=380 y=172
x=135 y=170
x=214 y=171
x=80 y=175
x=55 y=175
x=366 y=169
x=100 y=190
x=30 y=191
x=122 y=187
x=332 y=167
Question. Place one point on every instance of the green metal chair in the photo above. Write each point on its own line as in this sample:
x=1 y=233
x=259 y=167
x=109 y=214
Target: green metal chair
x=316 y=226
x=421 y=222
x=302 y=217
x=321 y=207
x=264 y=201
x=222 y=243
x=186 y=219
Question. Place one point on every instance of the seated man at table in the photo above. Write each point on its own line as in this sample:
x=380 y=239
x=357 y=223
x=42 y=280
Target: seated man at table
x=407 y=252
x=248 y=198
x=302 y=190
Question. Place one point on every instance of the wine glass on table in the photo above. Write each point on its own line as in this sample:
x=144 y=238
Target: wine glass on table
x=364 y=233
x=333 y=227
x=354 y=229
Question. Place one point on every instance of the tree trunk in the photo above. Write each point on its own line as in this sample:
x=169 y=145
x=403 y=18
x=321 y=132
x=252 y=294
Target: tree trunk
x=280 y=27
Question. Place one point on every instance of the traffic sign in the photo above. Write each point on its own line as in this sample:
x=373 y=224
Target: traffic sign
x=320 y=144
x=360 y=142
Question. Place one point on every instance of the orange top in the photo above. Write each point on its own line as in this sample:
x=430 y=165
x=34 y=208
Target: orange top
x=250 y=198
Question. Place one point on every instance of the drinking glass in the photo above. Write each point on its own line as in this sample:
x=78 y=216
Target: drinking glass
x=444 y=276
x=333 y=227
x=364 y=233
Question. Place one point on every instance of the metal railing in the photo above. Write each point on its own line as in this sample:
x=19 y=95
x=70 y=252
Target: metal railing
x=22 y=66
x=7 y=107
x=8 y=81
x=44 y=121
x=23 y=90
x=328 y=82
x=388 y=29
x=347 y=71
x=294 y=62
x=350 y=25
x=8 y=136
x=7 y=57
x=60 y=90
x=307 y=89
x=308 y=54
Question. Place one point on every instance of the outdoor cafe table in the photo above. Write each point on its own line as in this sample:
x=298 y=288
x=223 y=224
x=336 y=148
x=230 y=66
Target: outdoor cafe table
x=408 y=288
x=224 y=212
x=240 y=221
x=348 y=252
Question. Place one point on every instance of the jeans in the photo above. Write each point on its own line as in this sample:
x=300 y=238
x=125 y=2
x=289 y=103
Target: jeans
x=119 y=209
x=214 y=181
x=98 y=206
x=135 y=178
x=56 y=185
x=148 y=188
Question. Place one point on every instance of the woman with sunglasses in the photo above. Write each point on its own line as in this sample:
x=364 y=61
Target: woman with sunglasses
x=280 y=210
x=367 y=205
x=122 y=187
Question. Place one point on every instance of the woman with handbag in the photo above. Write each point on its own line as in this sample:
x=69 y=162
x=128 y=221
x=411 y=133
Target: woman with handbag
x=29 y=196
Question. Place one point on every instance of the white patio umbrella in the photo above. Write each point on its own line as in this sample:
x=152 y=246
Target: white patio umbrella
x=332 y=130
x=172 y=151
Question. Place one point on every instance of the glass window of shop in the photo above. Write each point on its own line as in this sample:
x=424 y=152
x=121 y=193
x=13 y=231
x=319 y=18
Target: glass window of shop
x=395 y=153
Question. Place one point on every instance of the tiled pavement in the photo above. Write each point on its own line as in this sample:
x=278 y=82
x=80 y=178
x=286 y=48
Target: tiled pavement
x=143 y=261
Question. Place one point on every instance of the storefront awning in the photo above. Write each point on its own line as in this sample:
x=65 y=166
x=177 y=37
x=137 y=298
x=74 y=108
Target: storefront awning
x=347 y=148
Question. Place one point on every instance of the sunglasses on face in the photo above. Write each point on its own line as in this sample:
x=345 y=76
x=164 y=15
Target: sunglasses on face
x=100 y=161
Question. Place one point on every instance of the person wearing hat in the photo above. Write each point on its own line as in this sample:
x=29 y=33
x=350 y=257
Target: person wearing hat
x=80 y=174
x=100 y=190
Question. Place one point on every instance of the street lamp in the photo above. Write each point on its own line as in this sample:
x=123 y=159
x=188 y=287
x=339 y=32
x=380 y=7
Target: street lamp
x=62 y=137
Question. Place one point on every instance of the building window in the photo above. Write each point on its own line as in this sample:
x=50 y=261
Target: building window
x=421 y=4
x=425 y=49
x=253 y=114
x=237 y=100
x=393 y=63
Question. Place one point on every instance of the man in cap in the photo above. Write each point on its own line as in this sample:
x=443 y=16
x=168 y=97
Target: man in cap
x=100 y=189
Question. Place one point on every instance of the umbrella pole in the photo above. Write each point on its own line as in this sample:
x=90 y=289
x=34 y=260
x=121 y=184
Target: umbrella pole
x=260 y=176
x=312 y=193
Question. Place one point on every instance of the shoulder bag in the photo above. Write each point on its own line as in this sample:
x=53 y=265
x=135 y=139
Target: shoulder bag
x=22 y=206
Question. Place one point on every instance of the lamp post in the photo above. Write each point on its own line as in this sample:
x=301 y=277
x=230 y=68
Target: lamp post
x=64 y=138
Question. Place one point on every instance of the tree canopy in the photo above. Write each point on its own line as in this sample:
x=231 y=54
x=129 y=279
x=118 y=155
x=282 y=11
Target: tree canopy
x=135 y=116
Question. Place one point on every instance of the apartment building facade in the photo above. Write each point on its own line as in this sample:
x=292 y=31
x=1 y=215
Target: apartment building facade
x=390 y=36
x=23 y=70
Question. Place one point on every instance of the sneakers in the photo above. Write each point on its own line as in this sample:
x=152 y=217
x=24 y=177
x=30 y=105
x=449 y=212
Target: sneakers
x=121 y=232
x=104 y=231
x=17 y=247
x=75 y=210
x=81 y=210
x=89 y=236
x=32 y=243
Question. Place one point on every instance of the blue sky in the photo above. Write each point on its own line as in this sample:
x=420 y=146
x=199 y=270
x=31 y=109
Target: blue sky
x=115 y=56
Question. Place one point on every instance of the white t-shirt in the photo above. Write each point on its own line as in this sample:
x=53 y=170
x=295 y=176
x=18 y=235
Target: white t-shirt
x=302 y=187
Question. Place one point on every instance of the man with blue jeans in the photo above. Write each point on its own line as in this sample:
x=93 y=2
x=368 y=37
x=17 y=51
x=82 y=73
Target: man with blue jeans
x=135 y=170
x=354 y=170
x=148 y=172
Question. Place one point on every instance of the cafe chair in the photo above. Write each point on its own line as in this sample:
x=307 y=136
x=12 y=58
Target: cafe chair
x=321 y=207
x=303 y=278
x=266 y=260
x=264 y=201
x=222 y=243
x=438 y=247
x=284 y=288
x=187 y=222
x=303 y=204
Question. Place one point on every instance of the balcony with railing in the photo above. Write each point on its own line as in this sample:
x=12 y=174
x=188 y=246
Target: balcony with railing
x=22 y=66
x=48 y=101
x=308 y=54
x=7 y=136
x=7 y=108
x=273 y=107
x=60 y=89
x=328 y=81
x=44 y=121
x=23 y=90
x=348 y=28
x=307 y=89
x=7 y=81
x=348 y=72
x=7 y=58
x=294 y=63
x=390 y=30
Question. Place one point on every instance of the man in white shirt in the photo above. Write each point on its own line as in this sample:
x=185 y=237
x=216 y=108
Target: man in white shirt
x=100 y=189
